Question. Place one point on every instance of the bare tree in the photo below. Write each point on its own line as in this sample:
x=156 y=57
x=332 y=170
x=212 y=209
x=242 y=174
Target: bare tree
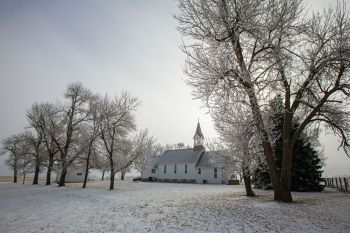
x=90 y=133
x=261 y=48
x=240 y=137
x=148 y=148
x=99 y=161
x=34 y=153
x=26 y=163
x=12 y=144
x=23 y=154
x=41 y=118
x=65 y=126
x=180 y=145
x=116 y=123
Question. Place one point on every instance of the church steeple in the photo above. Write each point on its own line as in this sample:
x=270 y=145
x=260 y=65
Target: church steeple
x=198 y=138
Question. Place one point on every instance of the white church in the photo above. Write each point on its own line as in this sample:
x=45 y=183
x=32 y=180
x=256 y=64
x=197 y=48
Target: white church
x=192 y=165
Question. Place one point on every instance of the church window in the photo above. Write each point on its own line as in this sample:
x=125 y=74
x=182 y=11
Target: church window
x=153 y=170
x=215 y=173
x=186 y=168
x=164 y=168
x=175 y=168
x=199 y=171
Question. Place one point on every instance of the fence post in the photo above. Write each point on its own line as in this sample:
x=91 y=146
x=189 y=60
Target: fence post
x=336 y=182
x=341 y=185
x=346 y=184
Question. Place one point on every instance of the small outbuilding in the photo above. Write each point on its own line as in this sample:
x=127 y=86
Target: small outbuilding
x=74 y=175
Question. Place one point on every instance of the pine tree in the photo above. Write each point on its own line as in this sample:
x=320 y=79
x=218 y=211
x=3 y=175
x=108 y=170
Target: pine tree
x=306 y=168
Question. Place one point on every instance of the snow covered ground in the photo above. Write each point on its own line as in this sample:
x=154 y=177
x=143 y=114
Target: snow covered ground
x=161 y=207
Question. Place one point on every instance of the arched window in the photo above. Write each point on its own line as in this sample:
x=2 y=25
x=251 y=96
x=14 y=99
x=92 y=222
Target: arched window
x=164 y=168
x=215 y=173
x=199 y=171
x=175 y=168
x=185 y=168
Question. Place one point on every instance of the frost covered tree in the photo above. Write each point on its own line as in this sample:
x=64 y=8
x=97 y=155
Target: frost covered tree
x=26 y=163
x=34 y=154
x=41 y=118
x=66 y=126
x=100 y=161
x=131 y=150
x=13 y=145
x=22 y=157
x=115 y=125
x=148 y=148
x=241 y=147
x=262 y=48
x=90 y=134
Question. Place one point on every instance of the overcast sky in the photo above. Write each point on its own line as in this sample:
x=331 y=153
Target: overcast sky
x=108 y=46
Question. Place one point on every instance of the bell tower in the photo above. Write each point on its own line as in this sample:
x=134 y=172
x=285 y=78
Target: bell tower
x=198 y=139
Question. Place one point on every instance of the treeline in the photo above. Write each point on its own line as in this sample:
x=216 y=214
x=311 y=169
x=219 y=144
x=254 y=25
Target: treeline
x=85 y=130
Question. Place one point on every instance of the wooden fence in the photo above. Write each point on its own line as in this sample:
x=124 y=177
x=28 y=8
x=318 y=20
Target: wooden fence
x=341 y=183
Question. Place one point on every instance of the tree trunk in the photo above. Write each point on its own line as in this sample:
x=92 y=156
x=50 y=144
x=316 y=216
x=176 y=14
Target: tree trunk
x=111 y=186
x=122 y=176
x=279 y=194
x=87 y=164
x=24 y=178
x=103 y=174
x=37 y=170
x=268 y=151
x=15 y=175
x=248 y=186
x=86 y=171
x=286 y=171
x=48 y=176
x=63 y=177
x=246 y=173
x=48 y=173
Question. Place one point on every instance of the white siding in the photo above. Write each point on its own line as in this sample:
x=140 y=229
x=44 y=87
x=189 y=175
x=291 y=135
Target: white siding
x=147 y=172
x=208 y=175
x=180 y=171
x=74 y=175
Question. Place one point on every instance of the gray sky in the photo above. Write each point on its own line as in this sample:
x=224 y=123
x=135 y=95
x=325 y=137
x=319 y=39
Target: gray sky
x=108 y=46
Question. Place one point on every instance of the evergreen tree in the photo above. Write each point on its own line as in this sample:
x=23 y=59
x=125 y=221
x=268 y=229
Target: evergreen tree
x=306 y=164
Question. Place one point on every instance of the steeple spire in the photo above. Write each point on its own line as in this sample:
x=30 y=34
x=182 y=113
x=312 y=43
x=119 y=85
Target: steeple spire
x=198 y=131
x=198 y=138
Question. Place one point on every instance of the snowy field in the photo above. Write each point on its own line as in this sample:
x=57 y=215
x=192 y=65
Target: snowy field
x=160 y=207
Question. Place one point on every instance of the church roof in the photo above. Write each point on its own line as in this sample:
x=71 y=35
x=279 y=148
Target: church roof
x=206 y=160
x=199 y=131
x=153 y=162
x=181 y=156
